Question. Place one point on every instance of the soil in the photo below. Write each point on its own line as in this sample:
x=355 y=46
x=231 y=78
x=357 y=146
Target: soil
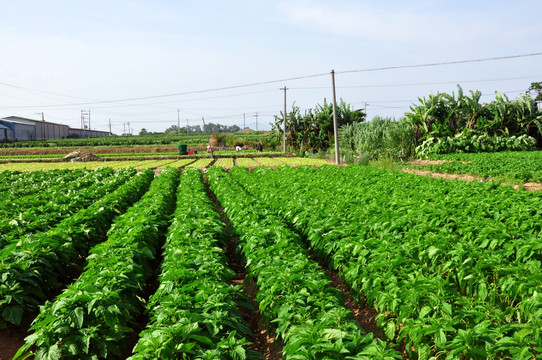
x=12 y=338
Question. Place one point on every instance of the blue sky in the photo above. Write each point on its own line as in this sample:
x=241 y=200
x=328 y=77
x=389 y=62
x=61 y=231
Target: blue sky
x=60 y=57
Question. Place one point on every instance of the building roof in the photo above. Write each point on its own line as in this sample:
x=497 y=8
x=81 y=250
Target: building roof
x=4 y=127
x=18 y=120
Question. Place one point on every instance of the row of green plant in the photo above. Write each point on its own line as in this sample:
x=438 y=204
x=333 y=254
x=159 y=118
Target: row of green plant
x=33 y=156
x=507 y=166
x=143 y=140
x=33 y=196
x=453 y=268
x=30 y=214
x=38 y=264
x=93 y=316
x=16 y=184
x=469 y=142
x=193 y=313
x=294 y=293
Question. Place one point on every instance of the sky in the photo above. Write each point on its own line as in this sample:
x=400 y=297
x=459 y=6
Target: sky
x=153 y=64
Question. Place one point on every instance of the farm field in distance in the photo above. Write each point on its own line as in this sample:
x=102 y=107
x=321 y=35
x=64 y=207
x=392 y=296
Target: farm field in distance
x=448 y=269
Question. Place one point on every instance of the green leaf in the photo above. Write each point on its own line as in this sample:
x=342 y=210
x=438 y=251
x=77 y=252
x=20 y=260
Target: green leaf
x=13 y=314
x=424 y=311
x=433 y=251
x=78 y=317
x=389 y=330
x=440 y=338
x=447 y=309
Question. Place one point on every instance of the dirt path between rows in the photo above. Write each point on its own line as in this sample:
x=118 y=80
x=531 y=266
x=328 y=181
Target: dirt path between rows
x=263 y=340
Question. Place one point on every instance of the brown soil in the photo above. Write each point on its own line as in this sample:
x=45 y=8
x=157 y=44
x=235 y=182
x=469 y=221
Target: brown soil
x=12 y=338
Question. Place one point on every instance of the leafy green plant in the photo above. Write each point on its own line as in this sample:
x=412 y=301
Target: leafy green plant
x=36 y=265
x=92 y=317
x=293 y=292
x=451 y=267
x=194 y=310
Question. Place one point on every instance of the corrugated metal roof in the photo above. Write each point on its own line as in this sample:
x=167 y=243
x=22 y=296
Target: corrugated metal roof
x=16 y=120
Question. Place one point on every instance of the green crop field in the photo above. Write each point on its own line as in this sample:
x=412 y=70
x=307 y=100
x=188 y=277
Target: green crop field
x=520 y=165
x=147 y=265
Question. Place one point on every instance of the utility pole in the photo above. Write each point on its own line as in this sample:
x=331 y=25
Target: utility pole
x=124 y=129
x=256 y=116
x=85 y=115
x=187 y=129
x=335 y=130
x=285 y=115
x=110 y=126
x=204 y=130
x=178 y=121
x=42 y=125
x=129 y=131
x=244 y=122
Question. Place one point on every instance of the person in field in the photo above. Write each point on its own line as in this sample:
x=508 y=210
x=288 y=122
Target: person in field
x=210 y=150
x=259 y=147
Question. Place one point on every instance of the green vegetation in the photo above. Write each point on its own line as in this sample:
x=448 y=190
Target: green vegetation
x=293 y=292
x=312 y=131
x=34 y=266
x=450 y=269
x=380 y=137
x=94 y=315
x=141 y=140
x=453 y=268
x=447 y=123
x=194 y=310
x=520 y=166
x=26 y=215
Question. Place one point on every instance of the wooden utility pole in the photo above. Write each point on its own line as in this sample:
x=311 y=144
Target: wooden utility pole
x=256 y=116
x=335 y=130
x=244 y=122
x=285 y=115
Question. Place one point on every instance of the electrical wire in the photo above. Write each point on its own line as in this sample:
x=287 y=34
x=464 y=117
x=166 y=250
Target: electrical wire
x=275 y=81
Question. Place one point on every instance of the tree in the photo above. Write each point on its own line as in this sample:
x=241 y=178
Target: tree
x=536 y=88
x=143 y=132
x=313 y=131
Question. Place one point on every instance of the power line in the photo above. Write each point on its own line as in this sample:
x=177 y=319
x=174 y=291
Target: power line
x=440 y=63
x=421 y=83
x=276 y=81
